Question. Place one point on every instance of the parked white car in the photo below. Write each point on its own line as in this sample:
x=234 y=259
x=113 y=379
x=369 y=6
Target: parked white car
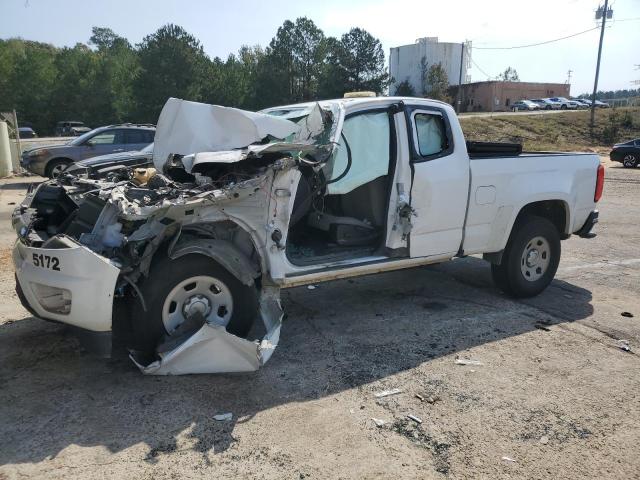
x=547 y=104
x=565 y=103
x=244 y=204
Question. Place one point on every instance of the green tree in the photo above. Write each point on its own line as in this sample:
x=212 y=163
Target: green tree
x=233 y=82
x=118 y=66
x=437 y=83
x=405 y=89
x=362 y=59
x=509 y=75
x=77 y=94
x=292 y=63
x=172 y=64
x=27 y=76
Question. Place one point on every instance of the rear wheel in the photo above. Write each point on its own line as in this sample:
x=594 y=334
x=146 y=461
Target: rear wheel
x=630 y=161
x=531 y=258
x=563 y=107
x=56 y=167
x=191 y=287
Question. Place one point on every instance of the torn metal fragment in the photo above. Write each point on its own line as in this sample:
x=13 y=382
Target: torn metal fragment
x=386 y=393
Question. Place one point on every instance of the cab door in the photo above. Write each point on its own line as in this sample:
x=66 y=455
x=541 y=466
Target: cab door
x=440 y=188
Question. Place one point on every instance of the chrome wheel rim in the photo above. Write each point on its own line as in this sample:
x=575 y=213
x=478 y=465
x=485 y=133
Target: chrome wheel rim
x=535 y=259
x=58 y=169
x=203 y=294
x=629 y=161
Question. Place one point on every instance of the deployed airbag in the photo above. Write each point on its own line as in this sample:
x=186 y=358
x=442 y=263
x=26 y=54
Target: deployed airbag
x=368 y=137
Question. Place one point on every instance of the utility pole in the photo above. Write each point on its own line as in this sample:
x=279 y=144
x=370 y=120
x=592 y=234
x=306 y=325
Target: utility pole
x=603 y=13
x=569 y=72
x=459 y=95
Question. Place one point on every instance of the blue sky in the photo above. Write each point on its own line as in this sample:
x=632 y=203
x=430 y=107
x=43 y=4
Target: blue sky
x=224 y=26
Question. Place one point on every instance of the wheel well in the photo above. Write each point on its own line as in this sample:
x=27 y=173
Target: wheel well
x=553 y=210
x=224 y=241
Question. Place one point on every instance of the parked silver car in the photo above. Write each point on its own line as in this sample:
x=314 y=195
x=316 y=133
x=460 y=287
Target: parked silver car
x=524 y=105
x=50 y=160
x=547 y=104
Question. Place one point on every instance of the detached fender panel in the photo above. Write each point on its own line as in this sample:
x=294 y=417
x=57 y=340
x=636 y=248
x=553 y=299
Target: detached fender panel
x=211 y=349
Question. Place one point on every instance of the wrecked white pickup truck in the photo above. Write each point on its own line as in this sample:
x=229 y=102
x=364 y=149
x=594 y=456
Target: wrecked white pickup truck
x=185 y=257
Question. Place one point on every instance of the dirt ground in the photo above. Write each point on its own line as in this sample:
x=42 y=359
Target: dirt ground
x=554 y=397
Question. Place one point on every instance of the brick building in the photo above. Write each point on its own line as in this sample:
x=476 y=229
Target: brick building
x=498 y=96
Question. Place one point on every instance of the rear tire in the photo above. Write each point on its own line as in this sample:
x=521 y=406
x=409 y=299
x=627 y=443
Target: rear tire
x=530 y=259
x=229 y=301
x=630 y=161
x=563 y=107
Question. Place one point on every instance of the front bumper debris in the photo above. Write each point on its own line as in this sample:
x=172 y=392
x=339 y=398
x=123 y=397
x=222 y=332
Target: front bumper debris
x=83 y=281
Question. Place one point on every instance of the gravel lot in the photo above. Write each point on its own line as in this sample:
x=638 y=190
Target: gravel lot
x=555 y=396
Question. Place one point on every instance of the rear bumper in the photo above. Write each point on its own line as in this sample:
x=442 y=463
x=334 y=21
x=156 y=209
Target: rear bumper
x=586 y=230
x=76 y=288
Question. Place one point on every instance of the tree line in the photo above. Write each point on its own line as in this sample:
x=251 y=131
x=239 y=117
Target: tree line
x=109 y=80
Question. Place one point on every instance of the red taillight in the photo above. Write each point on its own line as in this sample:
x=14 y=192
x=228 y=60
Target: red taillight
x=599 y=184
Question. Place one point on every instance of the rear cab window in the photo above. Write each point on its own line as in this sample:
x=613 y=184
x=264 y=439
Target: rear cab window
x=431 y=134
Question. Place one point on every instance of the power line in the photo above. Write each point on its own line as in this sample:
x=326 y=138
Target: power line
x=536 y=44
x=481 y=71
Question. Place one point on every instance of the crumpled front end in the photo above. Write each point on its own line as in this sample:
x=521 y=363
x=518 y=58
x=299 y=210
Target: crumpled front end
x=85 y=244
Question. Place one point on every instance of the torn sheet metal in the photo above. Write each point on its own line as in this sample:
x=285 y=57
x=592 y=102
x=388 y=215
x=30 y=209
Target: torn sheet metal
x=213 y=350
x=194 y=162
x=186 y=127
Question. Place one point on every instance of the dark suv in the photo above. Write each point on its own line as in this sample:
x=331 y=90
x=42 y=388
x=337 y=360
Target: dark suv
x=50 y=160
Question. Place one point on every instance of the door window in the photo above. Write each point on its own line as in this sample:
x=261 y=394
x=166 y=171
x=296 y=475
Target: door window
x=108 y=137
x=431 y=134
x=139 y=136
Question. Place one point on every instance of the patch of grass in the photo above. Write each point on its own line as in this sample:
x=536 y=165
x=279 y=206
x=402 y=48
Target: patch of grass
x=557 y=131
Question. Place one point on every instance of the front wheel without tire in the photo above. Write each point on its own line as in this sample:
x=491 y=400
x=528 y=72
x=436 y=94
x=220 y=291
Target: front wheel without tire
x=531 y=258
x=192 y=286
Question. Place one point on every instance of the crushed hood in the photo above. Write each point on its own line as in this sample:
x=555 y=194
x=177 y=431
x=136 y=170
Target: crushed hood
x=188 y=127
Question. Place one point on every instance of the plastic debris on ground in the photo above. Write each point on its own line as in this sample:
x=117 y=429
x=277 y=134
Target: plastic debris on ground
x=311 y=287
x=419 y=397
x=386 y=393
x=508 y=459
x=544 y=440
x=624 y=345
x=414 y=418
x=540 y=326
x=468 y=361
x=627 y=314
x=378 y=421
x=223 y=417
